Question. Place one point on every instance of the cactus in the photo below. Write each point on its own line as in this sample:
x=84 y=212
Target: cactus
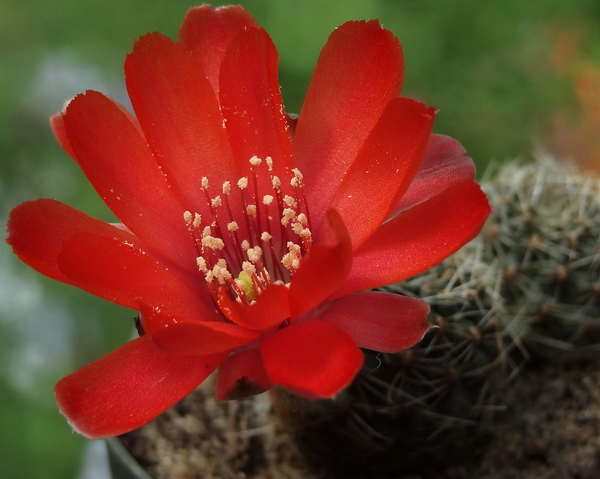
x=527 y=288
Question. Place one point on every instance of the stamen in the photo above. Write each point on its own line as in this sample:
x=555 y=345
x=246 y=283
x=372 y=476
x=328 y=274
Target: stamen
x=227 y=244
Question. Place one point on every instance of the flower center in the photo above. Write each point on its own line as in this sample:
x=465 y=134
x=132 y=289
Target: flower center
x=255 y=239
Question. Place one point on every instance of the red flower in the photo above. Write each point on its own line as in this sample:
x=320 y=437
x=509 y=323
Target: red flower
x=246 y=236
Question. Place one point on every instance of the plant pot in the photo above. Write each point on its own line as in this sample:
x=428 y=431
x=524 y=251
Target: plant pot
x=122 y=464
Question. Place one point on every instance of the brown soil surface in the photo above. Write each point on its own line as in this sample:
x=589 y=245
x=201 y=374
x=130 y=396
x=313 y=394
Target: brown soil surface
x=550 y=430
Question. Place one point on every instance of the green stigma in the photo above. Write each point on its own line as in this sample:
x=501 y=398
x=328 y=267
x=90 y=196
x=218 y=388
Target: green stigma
x=248 y=286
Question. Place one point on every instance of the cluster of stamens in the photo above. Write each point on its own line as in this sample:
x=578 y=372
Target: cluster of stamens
x=246 y=251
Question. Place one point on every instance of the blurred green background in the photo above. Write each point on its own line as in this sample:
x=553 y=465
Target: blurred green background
x=506 y=76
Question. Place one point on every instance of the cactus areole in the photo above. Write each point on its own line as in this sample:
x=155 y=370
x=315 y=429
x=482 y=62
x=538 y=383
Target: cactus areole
x=248 y=236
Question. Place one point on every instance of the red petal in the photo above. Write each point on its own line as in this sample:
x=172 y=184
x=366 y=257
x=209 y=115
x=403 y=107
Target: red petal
x=57 y=123
x=207 y=33
x=384 y=168
x=37 y=230
x=252 y=104
x=180 y=116
x=117 y=161
x=322 y=271
x=241 y=375
x=359 y=70
x=129 y=387
x=122 y=272
x=445 y=164
x=271 y=308
x=190 y=337
x=418 y=239
x=380 y=321
x=314 y=359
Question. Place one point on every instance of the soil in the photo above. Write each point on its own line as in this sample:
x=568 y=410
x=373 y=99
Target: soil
x=550 y=430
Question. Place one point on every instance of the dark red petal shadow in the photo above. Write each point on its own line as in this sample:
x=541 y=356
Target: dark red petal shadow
x=129 y=387
x=380 y=321
x=384 y=167
x=418 y=239
x=207 y=33
x=242 y=374
x=359 y=70
x=445 y=164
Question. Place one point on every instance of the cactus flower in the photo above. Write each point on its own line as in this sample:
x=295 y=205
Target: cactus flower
x=248 y=237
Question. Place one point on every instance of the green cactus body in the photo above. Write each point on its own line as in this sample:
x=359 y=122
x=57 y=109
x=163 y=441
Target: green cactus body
x=528 y=287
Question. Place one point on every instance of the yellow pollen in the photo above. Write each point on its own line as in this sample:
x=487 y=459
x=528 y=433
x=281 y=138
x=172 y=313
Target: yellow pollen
x=245 y=245
x=204 y=182
x=197 y=220
x=187 y=216
x=291 y=202
x=216 y=201
x=269 y=162
x=213 y=243
x=201 y=262
x=221 y=272
x=227 y=187
x=242 y=183
x=248 y=268
x=288 y=214
x=206 y=231
x=255 y=161
x=265 y=236
x=251 y=210
x=297 y=228
x=276 y=182
x=302 y=218
x=305 y=233
x=233 y=226
x=267 y=199
x=254 y=254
